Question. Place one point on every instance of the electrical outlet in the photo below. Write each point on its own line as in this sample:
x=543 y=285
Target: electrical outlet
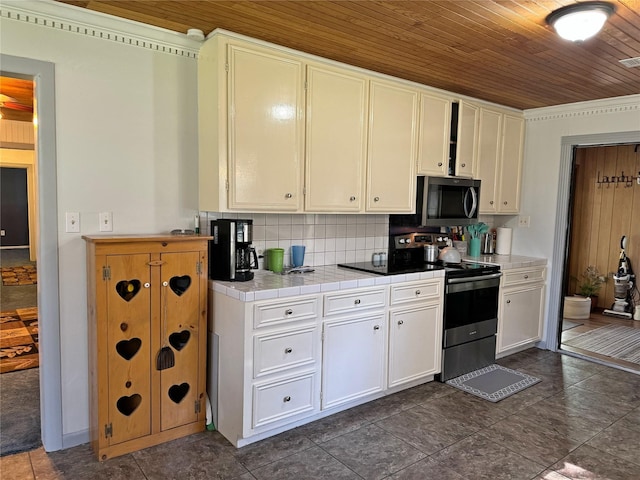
x=72 y=222
x=524 y=221
x=106 y=222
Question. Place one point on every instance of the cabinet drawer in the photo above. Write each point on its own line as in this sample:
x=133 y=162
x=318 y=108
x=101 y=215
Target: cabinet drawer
x=276 y=313
x=352 y=302
x=279 y=400
x=415 y=292
x=280 y=351
x=522 y=275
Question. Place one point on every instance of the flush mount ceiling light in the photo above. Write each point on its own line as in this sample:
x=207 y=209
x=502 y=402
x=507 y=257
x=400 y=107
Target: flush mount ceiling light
x=580 y=21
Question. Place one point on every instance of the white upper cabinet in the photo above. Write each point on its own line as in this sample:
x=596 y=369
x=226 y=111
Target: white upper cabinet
x=499 y=161
x=392 y=147
x=466 y=139
x=434 y=135
x=265 y=130
x=336 y=139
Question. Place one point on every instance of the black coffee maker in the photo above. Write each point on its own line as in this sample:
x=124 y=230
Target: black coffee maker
x=231 y=256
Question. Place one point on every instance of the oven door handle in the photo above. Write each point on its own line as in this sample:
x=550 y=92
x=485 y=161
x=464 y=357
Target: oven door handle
x=474 y=279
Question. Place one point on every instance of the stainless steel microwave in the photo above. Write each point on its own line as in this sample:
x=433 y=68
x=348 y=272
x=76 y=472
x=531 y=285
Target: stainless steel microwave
x=442 y=201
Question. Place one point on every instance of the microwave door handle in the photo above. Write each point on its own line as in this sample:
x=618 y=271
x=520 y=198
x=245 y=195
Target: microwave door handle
x=474 y=198
x=464 y=203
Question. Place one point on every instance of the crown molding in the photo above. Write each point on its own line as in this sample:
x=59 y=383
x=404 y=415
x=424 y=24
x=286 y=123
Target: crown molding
x=627 y=103
x=97 y=25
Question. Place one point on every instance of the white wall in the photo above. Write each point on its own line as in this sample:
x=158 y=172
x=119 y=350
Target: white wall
x=126 y=131
x=545 y=130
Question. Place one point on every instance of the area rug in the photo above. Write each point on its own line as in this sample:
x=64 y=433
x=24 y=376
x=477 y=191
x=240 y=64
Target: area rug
x=568 y=325
x=22 y=275
x=19 y=414
x=493 y=383
x=616 y=341
x=19 y=339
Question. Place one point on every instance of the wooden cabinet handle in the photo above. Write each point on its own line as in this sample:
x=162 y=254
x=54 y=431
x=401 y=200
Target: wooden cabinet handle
x=491 y=202
x=504 y=203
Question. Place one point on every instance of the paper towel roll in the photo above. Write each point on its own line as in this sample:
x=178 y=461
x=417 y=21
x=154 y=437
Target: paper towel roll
x=503 y=241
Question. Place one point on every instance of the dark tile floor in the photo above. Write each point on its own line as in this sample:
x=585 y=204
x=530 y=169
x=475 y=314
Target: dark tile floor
x=582 y=421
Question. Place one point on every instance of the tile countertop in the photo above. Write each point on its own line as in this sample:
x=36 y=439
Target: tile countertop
x=268 y=285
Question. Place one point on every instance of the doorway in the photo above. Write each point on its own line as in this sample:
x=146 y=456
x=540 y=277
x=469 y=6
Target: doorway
x=604 y=201
x=50 y=386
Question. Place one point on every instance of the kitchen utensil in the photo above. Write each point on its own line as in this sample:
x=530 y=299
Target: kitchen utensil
x=430 y=253
x=449 y=255
x=166 y=358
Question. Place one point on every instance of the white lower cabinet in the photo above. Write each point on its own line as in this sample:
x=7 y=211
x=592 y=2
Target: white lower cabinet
x=284 y=362
x=353 y=360
x=520 y=311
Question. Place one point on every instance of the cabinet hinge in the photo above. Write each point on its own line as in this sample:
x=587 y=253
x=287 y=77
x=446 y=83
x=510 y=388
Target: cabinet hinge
x=108 y=430
x=305 y=84
x=226 y=184
x=106 y=273
x=198 y=268
x=226 y=67
x=304 y=190
x=320 y=397
x=197 y=406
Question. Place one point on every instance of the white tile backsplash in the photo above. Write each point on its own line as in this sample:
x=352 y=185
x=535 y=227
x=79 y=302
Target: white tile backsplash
x=329 y=239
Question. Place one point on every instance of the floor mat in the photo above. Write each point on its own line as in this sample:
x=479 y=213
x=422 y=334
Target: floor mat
x=19 y=413
x=493 y=383
x=19 y=339
x=22 y=275
x=616 y=341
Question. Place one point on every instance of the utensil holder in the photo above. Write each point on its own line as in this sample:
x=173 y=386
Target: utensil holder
x=474 y=247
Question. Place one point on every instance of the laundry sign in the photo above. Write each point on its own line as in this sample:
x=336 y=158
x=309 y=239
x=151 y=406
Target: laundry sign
x=622 y=179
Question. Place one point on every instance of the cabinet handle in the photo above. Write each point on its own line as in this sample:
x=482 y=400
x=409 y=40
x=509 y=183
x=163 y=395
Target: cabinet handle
x=147 y=285
x=526 y=276
x=508 y=301
x=288 y=195
x=357 y=302
x=288 y=350
x=400 y=322
x=491 y=202
x=376 y=199
x=124 y=326
x=439 y=164
x=418 y=292
x=352 y=198
x=376 y=327
x=164 y=284
x=286 y=399
x=463 y=165
x=288 y=312
x=504 y=203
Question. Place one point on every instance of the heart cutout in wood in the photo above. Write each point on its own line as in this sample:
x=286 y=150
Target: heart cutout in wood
x=128 y=405
x=179 y=285
x=179 y=339
x=178 y=392
x=128 y=289
x=128 y=348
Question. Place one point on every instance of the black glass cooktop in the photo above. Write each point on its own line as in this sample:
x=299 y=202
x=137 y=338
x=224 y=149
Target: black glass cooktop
x=464 y=269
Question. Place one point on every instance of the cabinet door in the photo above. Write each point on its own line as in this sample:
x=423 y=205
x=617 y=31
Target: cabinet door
x=511 y=166
x=520 y=317
x=335 y=140
x=466 y=139
x=434 y=135
x=265 y=94
x=488 y=159
x=392 y=148
x=179 y=331
x=128 y=343
x=415 y=343
x=353 y=359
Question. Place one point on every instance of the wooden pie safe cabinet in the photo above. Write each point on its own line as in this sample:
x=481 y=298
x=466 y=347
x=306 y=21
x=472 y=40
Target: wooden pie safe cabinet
x=147 y=313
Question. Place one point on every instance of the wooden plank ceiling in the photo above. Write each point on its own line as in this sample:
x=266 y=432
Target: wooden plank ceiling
x=497 y=50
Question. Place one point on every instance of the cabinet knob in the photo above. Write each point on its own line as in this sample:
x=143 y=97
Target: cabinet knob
x=491 y=202
x=288 y=312
x=418 y=292
x=352 y=198
x=504 y=203
x=288 y=195
x=376 y=327
x=526 y=276
x=439 y=164
x=164 y=284
x=508 y=301
x=147 y=285
x=288 y=350
x=357 y=302
x=376 y=199
x=400 y=322
x=463 y=165
x=286 y=399
x=124 y=326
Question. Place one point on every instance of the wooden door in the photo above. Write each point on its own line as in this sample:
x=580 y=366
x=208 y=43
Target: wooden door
x=129 y=349
x=179 y=329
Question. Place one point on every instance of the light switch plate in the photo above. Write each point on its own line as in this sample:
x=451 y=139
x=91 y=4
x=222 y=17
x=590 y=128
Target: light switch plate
x=106 y=222
x=524 y=221
x=72 y=222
